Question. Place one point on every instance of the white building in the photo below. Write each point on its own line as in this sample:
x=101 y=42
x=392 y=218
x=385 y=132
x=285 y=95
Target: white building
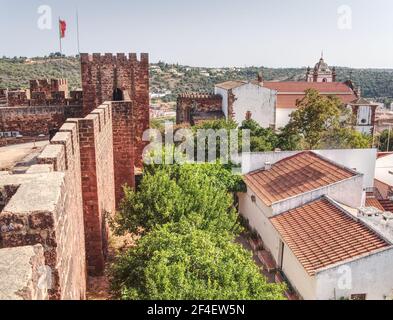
x=271 y=103
x=243 y=100
x=305 y=208
x=384 y=174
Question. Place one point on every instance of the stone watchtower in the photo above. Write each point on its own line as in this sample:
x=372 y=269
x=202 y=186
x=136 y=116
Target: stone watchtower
x=118 y=78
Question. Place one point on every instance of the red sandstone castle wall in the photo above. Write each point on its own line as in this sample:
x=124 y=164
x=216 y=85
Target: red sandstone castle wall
x=194 y=103
x=33 y=121
x=103 y=74
x=47 y=209
x=123 y=146
x=98 y=189
x=48 y=87
x=63 y=201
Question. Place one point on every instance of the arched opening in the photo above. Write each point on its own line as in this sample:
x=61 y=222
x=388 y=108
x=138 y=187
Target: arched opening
x=324 y=80
x=118 y=95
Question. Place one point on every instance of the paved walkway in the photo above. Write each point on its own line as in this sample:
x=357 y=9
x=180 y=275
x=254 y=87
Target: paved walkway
x=10 y=155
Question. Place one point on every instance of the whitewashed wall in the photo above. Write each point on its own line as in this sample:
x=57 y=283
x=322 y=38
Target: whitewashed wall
x=371 y=275
x=258 y=216
x=259 y=101
x=224 y=94
x=282 y=116
x=338 y=192
x=301 y=281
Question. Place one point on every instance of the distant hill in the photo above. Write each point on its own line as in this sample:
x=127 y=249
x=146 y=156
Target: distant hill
x=171 y=79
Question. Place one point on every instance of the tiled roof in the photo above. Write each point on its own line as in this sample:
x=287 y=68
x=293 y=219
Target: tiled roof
x=374 y=202
x=295 y=175
x=362 y=102
x=320 y=234
x=301 y=86
x=230 y=84
x=290 y=92
x=289 y=101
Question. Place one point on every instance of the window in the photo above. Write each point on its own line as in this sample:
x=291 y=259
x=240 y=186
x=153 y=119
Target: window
x=118 y=95
x=361 y=296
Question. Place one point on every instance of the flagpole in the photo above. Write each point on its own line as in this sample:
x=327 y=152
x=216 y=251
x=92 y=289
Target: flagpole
x=77 y=30
x=61 y=49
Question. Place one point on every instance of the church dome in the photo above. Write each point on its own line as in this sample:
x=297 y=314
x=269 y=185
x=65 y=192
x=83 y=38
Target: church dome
x=322 y=66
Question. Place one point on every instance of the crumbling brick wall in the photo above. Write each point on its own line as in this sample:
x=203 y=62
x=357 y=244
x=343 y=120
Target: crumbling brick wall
x=193 y=105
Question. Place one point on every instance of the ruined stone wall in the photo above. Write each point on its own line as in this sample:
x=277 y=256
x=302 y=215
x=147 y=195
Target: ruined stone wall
x=191 y=105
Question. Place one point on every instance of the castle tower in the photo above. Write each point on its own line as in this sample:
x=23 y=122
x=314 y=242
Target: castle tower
x=118 y=78
x=321 y=72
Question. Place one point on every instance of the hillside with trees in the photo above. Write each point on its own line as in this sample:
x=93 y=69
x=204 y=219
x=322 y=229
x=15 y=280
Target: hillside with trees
x=168 y=80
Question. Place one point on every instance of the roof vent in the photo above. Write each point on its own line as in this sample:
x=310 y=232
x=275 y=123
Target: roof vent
x=387 y=216
x=268 y=166
x=369 y=212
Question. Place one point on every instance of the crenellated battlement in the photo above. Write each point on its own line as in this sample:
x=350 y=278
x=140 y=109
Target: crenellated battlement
x=199 y=95
x=113 y=58
x=42 y=92
x=48 y=86
x=191 y=106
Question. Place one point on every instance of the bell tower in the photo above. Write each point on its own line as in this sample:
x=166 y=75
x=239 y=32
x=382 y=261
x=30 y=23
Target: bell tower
x=321 y=72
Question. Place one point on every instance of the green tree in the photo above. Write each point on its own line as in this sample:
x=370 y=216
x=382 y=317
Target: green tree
x=345 y=138
x=261 y=139
x=315 y=116
x=385 y=139
x=179 y=262
x=169 y=194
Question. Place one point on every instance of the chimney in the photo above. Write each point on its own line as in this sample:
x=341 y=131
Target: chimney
x=260 y=78
x=268 y=166
x=358 y=92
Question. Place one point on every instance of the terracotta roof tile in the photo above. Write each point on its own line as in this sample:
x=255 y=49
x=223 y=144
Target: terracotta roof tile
x=295 y=175
x=291 y=91
x=301 y=86
x=320 y=234
x=374 y=202
x=231 y=84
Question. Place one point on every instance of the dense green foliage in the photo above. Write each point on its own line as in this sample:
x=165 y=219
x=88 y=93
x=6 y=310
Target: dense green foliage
x=187 y=249
x=179 y=262
x=323 y=122
x=16 y=72
x=385 y=139
x=198 y=193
